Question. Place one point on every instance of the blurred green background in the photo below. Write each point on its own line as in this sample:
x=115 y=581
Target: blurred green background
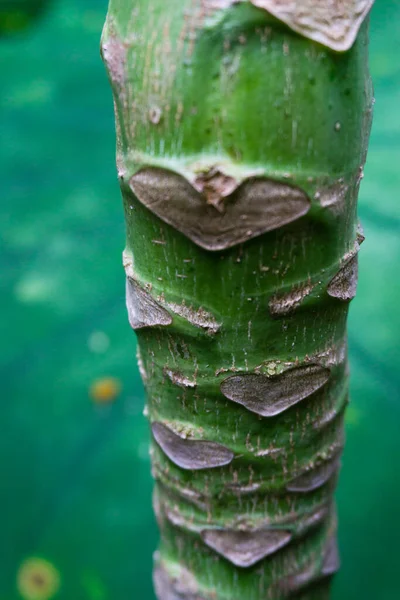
x=75 y=486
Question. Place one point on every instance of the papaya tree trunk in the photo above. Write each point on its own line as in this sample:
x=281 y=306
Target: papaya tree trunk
x=242 y=130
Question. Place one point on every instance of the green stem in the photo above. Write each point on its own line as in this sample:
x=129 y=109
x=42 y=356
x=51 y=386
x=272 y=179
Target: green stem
x=240 y=152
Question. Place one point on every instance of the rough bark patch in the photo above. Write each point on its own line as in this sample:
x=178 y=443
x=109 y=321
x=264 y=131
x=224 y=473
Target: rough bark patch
x=217 y=4
x=333 y=355
x=334 y=24
x=242 y=489
x=180 y=379
x=215 y=186
x=190 y=454
x=344 y=283
x=114 y=54
x=284 y=304
x=221 y=219
x=331 y=559
x=333 y=197
x=329 y=417
x=360 y=234
x=270 y=396
x=313 y=519
x=298 y=581
x=312 y=480
x=141 y=366
x=197 y=317
x=174 y=588
x=143 y=310
x=245 y=548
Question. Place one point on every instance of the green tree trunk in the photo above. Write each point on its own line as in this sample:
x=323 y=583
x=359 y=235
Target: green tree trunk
x=242 y=133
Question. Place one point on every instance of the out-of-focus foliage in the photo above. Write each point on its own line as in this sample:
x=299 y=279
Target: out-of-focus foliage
x=19 y=14
x=75 y=497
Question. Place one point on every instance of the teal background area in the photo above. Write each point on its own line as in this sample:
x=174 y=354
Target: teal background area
x=75 y=485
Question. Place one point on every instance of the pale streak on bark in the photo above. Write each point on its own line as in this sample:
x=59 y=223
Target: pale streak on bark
x=284 y=304
x=315 y=478
x=241 y=489
x=197 y=317
x=142 y=370
x=313 y=572
x=183 y=587
x=302 y=579
x=344 y=284
x=331 y=558
x=179 y=379
x=114 y=54
x=333 y=197
x=212 y=5
x=334 y=355
x=315 y=518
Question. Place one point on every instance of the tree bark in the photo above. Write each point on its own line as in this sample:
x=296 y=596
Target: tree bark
x=242 y=130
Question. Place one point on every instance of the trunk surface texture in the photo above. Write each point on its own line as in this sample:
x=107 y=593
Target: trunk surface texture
x=242 y=131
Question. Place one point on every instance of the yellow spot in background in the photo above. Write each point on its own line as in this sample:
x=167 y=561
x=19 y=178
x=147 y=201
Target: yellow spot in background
x=37 y=579
x=105 y=390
